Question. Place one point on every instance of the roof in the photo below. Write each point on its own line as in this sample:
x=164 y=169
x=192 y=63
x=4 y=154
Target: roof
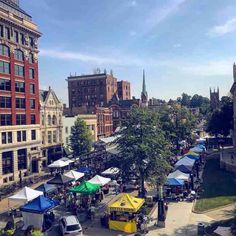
x=44 y=94
x=124 y=103
x=15 y=6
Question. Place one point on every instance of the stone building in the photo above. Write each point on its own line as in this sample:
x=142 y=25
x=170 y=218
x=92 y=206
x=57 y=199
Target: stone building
x=19 y=94
x=123 y=89
x=68 y=122
x=215 y=99
x=51 y=110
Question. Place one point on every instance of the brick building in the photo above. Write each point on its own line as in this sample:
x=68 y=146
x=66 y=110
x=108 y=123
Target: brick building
x=123 y=88
x=19 y=93
x=88 y=91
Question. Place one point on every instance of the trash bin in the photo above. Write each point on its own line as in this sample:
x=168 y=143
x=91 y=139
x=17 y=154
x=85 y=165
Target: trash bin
x=200 y=229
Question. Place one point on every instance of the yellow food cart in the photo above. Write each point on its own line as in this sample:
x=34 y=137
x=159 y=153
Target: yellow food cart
x=123 y=213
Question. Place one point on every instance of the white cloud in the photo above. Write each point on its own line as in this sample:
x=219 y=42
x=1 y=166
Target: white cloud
x=177 y=45
x=225 y=28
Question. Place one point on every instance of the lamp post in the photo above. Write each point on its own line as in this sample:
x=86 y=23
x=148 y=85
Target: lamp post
x=161 y=209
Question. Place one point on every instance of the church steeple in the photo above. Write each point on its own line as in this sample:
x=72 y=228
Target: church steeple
x=234 y=72
x=144 y=94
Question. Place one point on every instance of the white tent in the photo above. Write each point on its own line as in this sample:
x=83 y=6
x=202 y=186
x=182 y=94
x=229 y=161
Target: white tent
x=74 y=174
x=111 y=171
x=185 y=161
x=97 y=179
x=67 y=160
x=26 y=195
x=32 y=219
x=196 y=149
x=178 y=175
x=58 y=164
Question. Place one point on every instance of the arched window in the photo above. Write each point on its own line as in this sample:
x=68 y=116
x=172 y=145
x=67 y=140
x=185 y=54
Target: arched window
x=49 y=120
x=4 y=50
x=19 y=55
x=54 y=120
x=31 y=58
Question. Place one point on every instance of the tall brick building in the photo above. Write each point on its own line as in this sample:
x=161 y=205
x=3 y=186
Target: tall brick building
x=19 y=93
x=123 y=90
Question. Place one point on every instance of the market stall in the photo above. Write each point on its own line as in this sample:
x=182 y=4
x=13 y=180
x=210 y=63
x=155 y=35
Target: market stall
x=74 y=175
x=58 y=164
x=60 y=179
x=123 y=213
x=47 y=188
x=97 y=179
x=34 y=213
x=111 y=172
x=179 y=175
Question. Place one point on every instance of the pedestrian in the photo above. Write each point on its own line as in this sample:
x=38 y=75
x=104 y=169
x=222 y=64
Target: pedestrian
x=92 y=212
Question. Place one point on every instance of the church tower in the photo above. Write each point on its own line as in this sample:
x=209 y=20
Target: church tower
x=214 y=99
x=144 y=94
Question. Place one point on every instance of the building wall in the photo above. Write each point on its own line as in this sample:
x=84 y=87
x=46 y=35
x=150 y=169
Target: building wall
x=124 y=90
x=19 y=35
x=68 y=122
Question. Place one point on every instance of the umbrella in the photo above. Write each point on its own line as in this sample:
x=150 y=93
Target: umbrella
x=85 y=188
x=74 y=174
x=58 y=164
x=60 y=180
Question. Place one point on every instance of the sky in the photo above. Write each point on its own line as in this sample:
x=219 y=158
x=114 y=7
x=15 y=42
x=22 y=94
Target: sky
x=183 y=45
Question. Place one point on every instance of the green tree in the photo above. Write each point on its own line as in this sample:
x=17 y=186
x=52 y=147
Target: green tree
x=184 y=100
x=143 y=146
x=80 y=138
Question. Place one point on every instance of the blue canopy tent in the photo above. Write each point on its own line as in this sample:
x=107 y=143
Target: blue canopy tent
x=174 y=182
x=185 y=169
x=33 y=212
x=47 y=188
x=196 y=158
x=85 y=170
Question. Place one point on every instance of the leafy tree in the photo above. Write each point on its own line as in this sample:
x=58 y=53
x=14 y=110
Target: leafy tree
x=80 y=138
x=184 y=100
x=144 y=148
x=221 y=121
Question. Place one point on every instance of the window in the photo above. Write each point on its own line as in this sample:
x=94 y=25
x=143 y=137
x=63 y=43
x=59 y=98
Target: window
x=20 y=87
x=21 y=136
x=54 y=120
x=20 y=103
x=7 y=162
x=66 y=130
x=4 y=67
x=31 y=73
x=4 y=50
x=32 y=89
x=1 y=31
x=19 y=70
x=5 y=85
x=32 y=119
x=6 y=137
x=49 y=120
x=5 y=119
x=21 y=119
x=33 y=134
x=22 y=41
x=43 y=119
x=32 y=103
x=49 y=136
x=7 y=33
x=31 y=58
x=31 y=41
x=67 y=140
x=16 y=36
x=19 y=55
x=43 y=138
x=55 y=136
x=22 y=159
x=5 y=102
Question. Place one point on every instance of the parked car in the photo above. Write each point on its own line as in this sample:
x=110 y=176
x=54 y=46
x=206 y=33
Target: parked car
x=131 y=185
x=69 y=225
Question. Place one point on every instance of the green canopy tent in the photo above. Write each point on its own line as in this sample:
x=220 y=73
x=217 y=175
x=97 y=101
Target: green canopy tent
x=85 y=188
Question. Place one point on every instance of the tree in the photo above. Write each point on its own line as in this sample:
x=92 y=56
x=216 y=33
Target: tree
x=80 y=138
x=221 y=121
x=144 y=150
x=184 y=100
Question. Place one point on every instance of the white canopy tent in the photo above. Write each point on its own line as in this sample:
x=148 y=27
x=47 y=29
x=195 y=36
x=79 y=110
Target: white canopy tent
x=25 y=195
x=74 y=174
x=97 y=179
x=178 y=175
x=58 y=164
x=197 y=149
x=32 y=219
x=185 y=161
x=67 y=160
x=111 y=171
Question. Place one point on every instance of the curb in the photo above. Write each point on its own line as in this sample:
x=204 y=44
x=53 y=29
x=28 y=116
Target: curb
x=213 y=209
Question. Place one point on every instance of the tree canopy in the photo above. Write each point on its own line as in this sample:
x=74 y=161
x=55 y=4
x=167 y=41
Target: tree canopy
x=144 y=148
x=80 y=138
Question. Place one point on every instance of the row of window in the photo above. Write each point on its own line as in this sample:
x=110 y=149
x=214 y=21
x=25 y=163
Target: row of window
x=6 y=119
x=7 y=137
x=5 y=102
x=18 y=54
x=5 y=85
x=8 y=161
x=52 y=137
x=52 y=120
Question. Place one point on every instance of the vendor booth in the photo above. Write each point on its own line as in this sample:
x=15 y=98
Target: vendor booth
x=197 y=149
x=184 y=169
x=188 y=162
x=58 y=164
x=123 y=213
x=97 y=179
x=111 y=171
x=34 y=212
x=75 y=175
x=47 y=188
x=85 y=170
x=179 y=175
x=85 y=188
x=60 y=179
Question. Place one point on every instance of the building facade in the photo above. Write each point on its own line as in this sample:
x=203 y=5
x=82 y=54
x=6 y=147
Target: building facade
x=88 y=91
x=123 y=88
x=19 y=94
x=104 y=122
x=51 y=110
x=68 y=122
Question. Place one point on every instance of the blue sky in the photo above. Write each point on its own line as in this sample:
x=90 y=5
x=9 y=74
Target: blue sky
x=183 y=45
